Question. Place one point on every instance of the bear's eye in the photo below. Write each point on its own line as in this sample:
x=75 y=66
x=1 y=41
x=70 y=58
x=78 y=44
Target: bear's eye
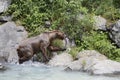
x=18 y=50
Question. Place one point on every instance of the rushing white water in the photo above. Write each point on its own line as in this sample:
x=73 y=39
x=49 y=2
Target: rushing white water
x=37 y=71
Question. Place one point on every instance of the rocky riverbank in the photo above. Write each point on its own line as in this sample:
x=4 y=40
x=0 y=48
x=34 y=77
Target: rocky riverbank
x=89 y=61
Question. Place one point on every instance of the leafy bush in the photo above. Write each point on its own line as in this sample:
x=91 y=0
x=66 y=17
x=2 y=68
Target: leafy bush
x=107 y=8
x=33 y=13
x=30 y=13
x=58 y=43
x=99 y=41
x=79 y=25
x=74 y=51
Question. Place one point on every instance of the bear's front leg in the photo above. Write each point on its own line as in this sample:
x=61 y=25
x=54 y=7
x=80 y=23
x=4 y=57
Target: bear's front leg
x=43 y=48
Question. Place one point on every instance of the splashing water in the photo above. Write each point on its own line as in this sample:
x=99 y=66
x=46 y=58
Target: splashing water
x=38 y=71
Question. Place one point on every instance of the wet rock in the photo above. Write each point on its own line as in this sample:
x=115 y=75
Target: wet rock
x=83 y=64
x=106 y=67
x=75 y=66
x=62 y=59
x=10 y=36
x=93 y=62
x=2 y=68
x=114 y=32
x=2 y=59
x=95 y=66
x=85 y=59
x=100 y=23
x=4 y=5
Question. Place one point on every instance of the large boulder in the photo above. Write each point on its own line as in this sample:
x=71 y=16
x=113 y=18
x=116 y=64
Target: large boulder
x=100 y=23
x=4 y=5
x=94 y=63
x=62 y=59
x=90 y=54
x=10 y=36
x=86 y=59
x=114 y=32
x=106 y=67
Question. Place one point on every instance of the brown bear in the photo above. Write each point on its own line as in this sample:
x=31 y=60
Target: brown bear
x=42 y=42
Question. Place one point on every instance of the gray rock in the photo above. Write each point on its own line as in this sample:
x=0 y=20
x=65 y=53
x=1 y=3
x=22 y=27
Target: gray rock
x=114 y=32
x=80 y=16
x=62 y=59
x=95 y=66
x=90 y=53
x=69 y=43
x=106 y=67
x=83 y=64
x=88 y=58
x=2 y=67
x=94 y=63
x=10 y=36
x=5 y=18
x=100 y=23
x=75 y=66
x=2 y=59
x=47 y=24
x=4 y=5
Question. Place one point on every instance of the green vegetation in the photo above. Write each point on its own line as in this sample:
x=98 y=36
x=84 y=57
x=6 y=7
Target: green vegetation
x=74 y=51
x=100 y=42
x=58 y=43
x=74 y=17
x=110 y=9
x=97 y=41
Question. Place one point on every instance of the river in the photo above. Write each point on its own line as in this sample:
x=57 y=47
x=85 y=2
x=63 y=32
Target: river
x=38 y=71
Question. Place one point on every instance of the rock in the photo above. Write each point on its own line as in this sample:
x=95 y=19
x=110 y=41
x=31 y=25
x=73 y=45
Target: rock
x=5 y=18
x=100 y=23
x=95 y=66
x=114 y=32
x=86 y=59
x=47 y=24
x=2 y=68
x=106 y=67
x=69 y=43
x=75 y=66
x=83 y=64
x=93 y=62
x=2 y=59
x=90 y=53
x=80 y=17
x=10 y=36
x=62 y=59
x=4 y=5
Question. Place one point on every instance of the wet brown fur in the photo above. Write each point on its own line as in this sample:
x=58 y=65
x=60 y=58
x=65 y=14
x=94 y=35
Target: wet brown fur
x=42 y=42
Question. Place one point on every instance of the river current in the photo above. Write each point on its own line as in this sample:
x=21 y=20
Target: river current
x=38 y=71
